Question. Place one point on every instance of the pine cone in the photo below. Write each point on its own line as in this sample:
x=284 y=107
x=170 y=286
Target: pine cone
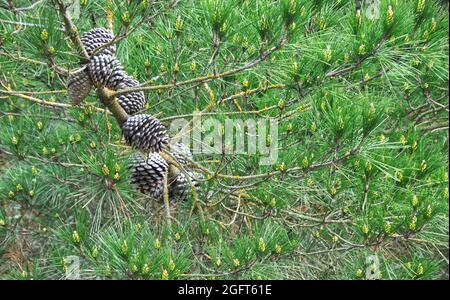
x=106 y=71
x=131 y=102
x=96 y=38
x=179 y=188
x=78 y=86
x=145 y=132
x=148 y=174
x=180 y=152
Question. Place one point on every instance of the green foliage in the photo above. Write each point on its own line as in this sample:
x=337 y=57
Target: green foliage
x=362 y=171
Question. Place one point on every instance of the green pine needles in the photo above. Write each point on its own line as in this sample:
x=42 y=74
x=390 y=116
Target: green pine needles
x=358 y=188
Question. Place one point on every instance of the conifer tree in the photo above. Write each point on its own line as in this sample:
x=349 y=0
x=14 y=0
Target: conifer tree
x=91 y=172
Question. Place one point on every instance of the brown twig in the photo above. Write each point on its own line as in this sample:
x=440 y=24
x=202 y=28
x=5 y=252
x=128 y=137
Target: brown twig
x=44 y=102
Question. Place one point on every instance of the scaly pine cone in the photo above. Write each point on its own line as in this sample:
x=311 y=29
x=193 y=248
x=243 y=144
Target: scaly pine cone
x=96 y=38
x=148 y=174
x=78 y=86
x=180 y=187
x=145 y=132
x=131 y=102
x=106 y=71
x=180 y=152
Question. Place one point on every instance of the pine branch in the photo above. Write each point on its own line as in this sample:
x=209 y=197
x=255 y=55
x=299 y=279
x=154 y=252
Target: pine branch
x=45 y=102
x=204 y=79
x=106 y=97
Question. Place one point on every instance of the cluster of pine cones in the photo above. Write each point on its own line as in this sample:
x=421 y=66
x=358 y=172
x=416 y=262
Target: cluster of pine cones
x=141 y=131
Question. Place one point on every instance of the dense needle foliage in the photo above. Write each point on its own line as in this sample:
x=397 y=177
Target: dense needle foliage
x=360 y=94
